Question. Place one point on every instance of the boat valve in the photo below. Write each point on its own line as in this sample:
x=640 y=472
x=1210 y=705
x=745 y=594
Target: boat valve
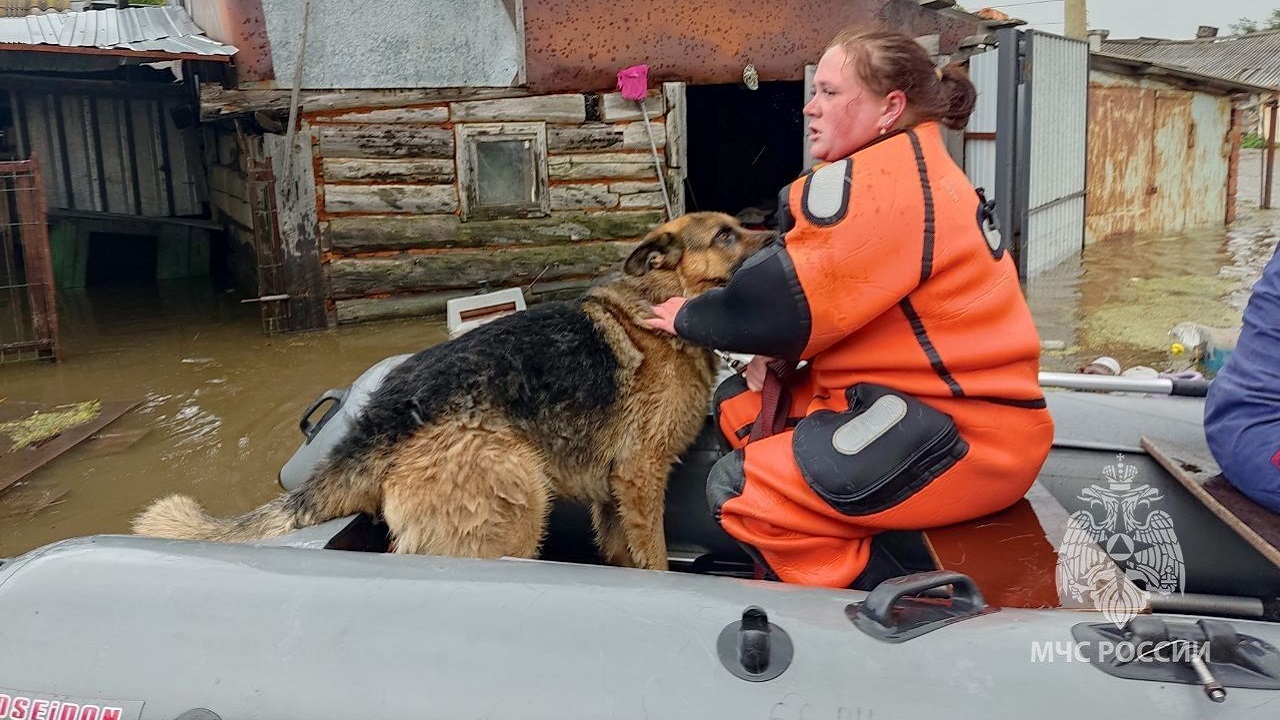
x=753 y=648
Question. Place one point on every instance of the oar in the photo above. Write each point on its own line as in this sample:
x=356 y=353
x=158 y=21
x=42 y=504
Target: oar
x=1109 y=383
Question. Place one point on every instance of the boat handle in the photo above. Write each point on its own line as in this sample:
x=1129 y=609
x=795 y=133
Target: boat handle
x=880 y=602
x=308 y=429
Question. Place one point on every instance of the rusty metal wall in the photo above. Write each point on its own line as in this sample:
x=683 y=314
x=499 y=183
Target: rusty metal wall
x=242 y=24
x=1059 y=95
x=576 y=45
x=111 y=154
x=1159 y=158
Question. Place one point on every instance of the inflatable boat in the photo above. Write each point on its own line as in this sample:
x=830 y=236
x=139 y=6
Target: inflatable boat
x=968 y=622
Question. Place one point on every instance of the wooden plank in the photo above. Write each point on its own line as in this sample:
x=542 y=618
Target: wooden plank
x=218 y=102
x=355 y=234
x=1199 y=473
x=1008 y=554
x=676 y=124
x=422 y=115
x=416 y=171
x=385 y=140
x=615 y=108
x=18 y=464
x=469 y=269
x=298 y=224
x=568 y=108
x=390 y=199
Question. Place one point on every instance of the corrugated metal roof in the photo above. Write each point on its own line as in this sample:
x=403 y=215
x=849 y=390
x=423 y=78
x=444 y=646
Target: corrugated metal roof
x=1253 y=58
x=155 y=29
x=1126 y=64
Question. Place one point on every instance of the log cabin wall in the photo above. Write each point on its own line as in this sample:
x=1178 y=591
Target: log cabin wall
x=409 y=218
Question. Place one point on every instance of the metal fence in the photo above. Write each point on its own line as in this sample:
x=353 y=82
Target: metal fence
x=1026 y=143
x=28 y=314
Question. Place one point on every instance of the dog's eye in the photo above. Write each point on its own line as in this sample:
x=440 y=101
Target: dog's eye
x=725 y=238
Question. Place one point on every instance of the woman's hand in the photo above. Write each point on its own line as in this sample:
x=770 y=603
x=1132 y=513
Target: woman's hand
x=664 y=315
x=754 y=374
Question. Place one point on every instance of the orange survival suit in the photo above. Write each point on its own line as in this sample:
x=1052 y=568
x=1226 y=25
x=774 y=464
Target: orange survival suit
x=920 y=404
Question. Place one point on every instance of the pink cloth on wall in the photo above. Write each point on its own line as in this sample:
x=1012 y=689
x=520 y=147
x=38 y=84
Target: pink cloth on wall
x=634 y=82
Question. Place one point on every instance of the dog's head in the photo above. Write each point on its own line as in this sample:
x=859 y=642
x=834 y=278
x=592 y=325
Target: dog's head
x=693 y=253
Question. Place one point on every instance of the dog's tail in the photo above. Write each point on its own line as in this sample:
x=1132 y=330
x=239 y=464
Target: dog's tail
x=341 y=487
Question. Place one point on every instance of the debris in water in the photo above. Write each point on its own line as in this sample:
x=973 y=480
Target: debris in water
x=40 y=426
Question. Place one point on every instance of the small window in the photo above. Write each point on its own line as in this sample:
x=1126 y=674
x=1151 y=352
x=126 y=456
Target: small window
x=502 y=170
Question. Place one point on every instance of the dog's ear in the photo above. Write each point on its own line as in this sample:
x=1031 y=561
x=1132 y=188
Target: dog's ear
x=660 y=251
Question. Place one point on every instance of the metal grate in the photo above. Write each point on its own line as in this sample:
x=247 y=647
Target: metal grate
x=28 y=315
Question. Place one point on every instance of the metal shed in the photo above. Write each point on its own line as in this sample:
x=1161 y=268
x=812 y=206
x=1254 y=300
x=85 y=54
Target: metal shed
x=1162 y=147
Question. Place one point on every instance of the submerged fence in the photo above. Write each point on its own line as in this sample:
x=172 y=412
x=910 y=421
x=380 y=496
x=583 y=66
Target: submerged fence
x=28 y=314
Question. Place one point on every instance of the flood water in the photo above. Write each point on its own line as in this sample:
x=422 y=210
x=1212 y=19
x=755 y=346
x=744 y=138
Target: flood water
x=220 y=401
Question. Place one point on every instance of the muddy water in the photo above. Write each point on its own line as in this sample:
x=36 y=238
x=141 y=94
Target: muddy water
x=1121 y=297
x=219 y=404
x=220 y=401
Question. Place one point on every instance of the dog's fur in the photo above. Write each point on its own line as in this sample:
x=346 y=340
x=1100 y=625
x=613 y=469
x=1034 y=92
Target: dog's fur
x=465 y=444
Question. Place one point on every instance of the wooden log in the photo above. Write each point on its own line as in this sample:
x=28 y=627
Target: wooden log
x=378 y=199
x=615 y=108
x=586 y=137
x=420 y=115
x=568 y=108
x=627 y=187
x=424 y=171
x=391 y=308
x=636 y=137
x=350 y=235
x=217 y=102
x=642 y=200
x=579 y=197
x=385 y=140
x=601 y=166
x=472 y=269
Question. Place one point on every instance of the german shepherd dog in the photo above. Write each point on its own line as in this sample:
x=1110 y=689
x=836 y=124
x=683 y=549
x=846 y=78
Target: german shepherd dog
x=465 y=444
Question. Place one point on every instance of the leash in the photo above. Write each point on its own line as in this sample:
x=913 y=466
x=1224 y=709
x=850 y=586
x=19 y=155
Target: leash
x=775 y=401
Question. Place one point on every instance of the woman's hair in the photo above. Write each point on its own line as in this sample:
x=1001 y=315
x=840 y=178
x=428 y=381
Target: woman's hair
x=886 y=61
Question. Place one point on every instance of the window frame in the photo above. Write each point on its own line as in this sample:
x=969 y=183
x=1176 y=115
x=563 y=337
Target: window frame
x=467 y=137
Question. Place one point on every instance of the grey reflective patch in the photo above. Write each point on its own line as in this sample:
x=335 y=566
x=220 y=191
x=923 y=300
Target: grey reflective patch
x=994 y=240
x=854 y=436
x=825 y=197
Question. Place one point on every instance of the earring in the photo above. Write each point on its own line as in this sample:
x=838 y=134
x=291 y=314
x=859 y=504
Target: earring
x=883 y=129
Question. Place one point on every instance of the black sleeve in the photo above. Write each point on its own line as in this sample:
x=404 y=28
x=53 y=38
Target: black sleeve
x=762 y=310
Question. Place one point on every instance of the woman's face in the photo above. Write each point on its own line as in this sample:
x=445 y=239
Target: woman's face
x=844 y=114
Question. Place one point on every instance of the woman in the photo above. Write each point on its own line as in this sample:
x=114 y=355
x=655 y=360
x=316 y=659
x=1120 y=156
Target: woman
x=920 y=403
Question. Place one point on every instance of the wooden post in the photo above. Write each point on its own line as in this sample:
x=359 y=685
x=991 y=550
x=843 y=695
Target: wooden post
x=1269 y=173
x=1075 y=16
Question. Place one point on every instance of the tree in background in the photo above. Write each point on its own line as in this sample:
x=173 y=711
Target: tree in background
x=1246 y=25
